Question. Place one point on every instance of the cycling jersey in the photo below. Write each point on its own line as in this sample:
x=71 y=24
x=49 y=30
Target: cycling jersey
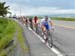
x=35 y=19
x=46 y=23
x=26 y=20
x=30 y=20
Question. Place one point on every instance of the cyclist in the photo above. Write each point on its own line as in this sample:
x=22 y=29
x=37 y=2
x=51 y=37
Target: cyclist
x=23 y=20
x=26 y=21
x=31 y=23
x=46 y=25
x=35 y=20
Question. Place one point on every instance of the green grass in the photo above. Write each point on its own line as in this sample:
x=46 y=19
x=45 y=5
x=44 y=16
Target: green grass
x=64 y=19
x=21 y=39
x=7 y=32
x=3 y=53
x=3 y=25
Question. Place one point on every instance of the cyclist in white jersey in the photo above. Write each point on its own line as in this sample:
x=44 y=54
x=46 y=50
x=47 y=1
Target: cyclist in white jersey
x=47 y=24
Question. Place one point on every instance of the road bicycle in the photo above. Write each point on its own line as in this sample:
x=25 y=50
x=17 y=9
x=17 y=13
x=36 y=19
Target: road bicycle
x=47 y=36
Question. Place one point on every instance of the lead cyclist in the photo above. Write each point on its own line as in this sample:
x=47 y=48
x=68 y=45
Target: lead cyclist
x=47 y=25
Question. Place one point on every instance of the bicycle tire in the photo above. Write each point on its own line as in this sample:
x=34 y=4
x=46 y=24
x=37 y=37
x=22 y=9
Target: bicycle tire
x=50 y=40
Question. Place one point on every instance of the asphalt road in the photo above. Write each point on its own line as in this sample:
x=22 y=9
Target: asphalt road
x=37 y=48
x=64 y=38
x=65 y=23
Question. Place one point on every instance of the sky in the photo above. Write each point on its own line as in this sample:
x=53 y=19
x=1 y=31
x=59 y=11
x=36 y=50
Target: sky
x=41 y=7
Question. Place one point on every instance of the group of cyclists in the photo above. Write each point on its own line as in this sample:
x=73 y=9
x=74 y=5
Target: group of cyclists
x=46 y=24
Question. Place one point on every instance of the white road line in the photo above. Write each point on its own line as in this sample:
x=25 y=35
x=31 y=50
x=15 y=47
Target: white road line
x=53 y=49
x=56 y=51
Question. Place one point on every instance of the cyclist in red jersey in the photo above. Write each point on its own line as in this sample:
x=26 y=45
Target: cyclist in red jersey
x=35 y=20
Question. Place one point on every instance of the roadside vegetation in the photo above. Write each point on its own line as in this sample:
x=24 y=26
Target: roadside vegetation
x=63 y=18
x=7 y=31
x=21 y=39
x=4 y=10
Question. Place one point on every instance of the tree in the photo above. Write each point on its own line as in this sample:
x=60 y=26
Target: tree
x=3 y=9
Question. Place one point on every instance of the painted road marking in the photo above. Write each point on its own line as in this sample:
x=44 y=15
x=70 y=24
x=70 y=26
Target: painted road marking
x=65 y=26
x=53 y=49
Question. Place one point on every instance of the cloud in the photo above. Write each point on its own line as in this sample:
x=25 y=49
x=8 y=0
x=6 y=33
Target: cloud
x=23 y=9
x=43 y=11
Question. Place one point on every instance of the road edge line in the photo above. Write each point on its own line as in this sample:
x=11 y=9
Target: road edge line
x=58 y=53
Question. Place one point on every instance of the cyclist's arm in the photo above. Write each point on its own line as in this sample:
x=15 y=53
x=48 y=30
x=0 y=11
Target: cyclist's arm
x=43 y=27
x=51 y=23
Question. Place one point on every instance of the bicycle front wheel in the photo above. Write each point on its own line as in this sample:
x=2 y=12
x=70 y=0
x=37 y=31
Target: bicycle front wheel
x=50 y=40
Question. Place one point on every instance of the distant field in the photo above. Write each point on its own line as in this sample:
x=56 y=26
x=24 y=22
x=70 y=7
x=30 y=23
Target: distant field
x=56 y=18
x=61 y=18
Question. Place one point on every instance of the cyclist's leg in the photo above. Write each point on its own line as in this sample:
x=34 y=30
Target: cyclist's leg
x=45 y=36
x=26 y=24
x=36 y=27
x=31 y=25
x=43 y=29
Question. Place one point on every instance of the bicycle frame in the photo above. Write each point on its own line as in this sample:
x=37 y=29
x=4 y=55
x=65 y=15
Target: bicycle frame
x=48 y=39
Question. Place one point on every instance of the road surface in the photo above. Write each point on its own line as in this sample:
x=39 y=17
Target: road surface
x=65 y=37
x=37 y=48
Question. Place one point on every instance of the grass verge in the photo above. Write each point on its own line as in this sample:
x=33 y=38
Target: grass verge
x=7 y=33
x=21 y=39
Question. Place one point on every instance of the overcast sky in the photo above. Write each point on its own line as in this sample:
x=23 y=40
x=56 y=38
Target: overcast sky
x=41 y=7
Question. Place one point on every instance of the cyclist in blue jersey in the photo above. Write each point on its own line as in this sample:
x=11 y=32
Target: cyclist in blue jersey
x=47 y=25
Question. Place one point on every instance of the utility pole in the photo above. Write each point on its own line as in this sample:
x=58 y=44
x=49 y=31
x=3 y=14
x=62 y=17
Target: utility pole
x=20 y=11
